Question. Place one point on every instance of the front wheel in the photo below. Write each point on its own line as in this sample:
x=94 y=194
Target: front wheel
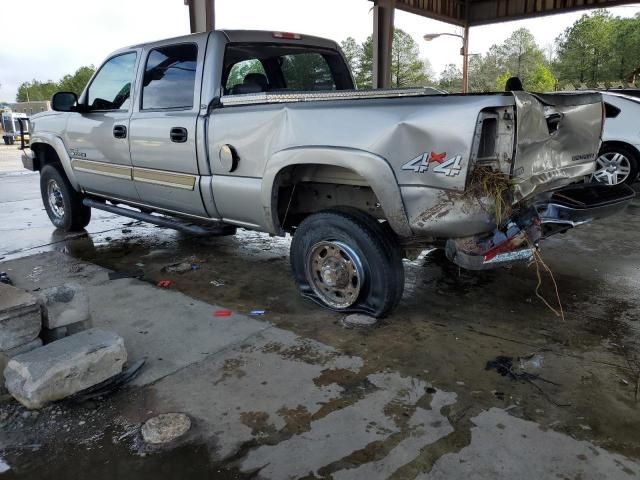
x=348 y=262
x=62 y=203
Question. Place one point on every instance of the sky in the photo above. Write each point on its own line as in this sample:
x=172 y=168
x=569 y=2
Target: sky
x=62 y=35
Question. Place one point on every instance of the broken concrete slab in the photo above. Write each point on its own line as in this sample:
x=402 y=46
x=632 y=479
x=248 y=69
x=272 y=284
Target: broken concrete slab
x=171 y=331
x=20 y=317
x=66 y=304
x=9 y=354
x=65 y=367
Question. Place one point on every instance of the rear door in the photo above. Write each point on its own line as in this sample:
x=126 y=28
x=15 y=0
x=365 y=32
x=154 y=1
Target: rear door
x=97 y=140
x=163 y=126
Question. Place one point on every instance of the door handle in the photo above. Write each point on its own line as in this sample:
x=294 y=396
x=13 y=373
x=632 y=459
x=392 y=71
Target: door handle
x=178 y=134
x=120 y=131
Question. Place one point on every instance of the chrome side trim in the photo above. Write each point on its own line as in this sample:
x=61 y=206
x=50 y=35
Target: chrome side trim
x=146 y=175
x=100 y=168
x=168 y=179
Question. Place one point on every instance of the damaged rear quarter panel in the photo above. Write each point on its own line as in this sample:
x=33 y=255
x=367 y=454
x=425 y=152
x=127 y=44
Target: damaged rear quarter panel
x=548 y=160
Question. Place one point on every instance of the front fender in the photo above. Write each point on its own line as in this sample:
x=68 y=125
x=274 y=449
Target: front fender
x=374 y=168
x=57 y=144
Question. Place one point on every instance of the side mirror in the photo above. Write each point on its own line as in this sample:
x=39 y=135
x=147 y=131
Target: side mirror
x=64 y=101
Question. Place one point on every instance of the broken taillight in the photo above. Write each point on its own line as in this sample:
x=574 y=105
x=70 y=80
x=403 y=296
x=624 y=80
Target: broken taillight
x=287 y=35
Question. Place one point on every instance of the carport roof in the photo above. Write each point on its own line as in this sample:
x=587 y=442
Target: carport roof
x=482 y=12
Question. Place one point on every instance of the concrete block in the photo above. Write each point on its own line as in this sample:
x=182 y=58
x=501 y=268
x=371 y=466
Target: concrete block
x=20 y=317
x=9 y=354
x=66 y=304
x=49 y=335
x=65 y=367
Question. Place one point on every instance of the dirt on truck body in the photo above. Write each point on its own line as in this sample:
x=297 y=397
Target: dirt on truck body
x=265 y=131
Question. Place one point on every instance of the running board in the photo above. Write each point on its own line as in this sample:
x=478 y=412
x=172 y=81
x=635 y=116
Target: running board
x=216 y=229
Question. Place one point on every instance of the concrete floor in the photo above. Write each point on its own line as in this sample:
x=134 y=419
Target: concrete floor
x=293 y=394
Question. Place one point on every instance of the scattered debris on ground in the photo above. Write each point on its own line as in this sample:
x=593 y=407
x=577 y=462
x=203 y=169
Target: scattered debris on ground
x=359 y=320
x=165 y=428
x=139 y=274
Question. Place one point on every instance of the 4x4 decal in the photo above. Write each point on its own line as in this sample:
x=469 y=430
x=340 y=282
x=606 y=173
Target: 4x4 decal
x=449 y=167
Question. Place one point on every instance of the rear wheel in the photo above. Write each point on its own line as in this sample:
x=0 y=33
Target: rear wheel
x=616 y=164
x=347 y=261
x=62 y=203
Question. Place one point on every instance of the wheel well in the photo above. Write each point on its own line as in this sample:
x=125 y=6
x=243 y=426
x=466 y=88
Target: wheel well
x=45 y=154
x=300 y=190
x=628 y=146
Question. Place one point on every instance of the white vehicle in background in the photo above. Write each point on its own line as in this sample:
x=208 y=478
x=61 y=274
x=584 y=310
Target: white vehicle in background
x=15 y=127
x=619 y=156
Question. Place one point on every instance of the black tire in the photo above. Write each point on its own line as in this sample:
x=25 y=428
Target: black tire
x=627 y=152
x=358 y=240
x=73 y=215
x=6 y=140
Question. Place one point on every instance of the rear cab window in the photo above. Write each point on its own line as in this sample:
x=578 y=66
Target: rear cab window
x=266 y=67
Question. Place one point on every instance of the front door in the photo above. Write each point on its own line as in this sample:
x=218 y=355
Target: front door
x=163 y=127
x=98 y=138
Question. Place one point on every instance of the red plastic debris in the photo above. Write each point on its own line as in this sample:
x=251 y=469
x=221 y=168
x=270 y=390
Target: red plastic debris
x=164 y=283
x=222 y=313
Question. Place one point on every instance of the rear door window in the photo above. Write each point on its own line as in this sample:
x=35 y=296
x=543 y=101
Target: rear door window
x=170 y=77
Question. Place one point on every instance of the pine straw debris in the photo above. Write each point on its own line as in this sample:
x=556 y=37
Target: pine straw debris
x=497 y=187
x=486 y=183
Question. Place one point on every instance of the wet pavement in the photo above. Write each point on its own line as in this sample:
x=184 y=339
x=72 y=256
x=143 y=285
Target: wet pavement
x=304 y=396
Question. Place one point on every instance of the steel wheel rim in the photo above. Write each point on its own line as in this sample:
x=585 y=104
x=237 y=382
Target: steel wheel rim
x=612 y=168
x=56 y=201
x=335 y=273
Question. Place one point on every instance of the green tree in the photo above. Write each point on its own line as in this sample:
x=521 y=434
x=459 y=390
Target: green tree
x=451 y=79
x=407 y=68
x=541 y=80
x=501 y=81
x=75 y=83
x=520 y=54
x=585 y=48
x=352 y=52
x=36 y=90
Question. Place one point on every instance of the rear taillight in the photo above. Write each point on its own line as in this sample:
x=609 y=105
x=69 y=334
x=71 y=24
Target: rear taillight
x=287 y=35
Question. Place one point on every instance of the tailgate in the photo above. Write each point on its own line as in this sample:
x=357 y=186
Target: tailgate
x=557 y=139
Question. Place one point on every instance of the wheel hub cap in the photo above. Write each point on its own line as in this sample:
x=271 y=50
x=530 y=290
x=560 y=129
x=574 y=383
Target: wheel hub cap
x=612 y=168
x=335 y=273
x=56 y=202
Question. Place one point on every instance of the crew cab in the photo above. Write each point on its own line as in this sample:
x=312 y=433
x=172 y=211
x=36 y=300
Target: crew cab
x=265 y=131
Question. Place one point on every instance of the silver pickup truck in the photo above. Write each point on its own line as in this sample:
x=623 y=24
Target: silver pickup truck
x=265 y=131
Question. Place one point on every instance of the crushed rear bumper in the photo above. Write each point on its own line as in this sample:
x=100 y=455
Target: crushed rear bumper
x=556 y=212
